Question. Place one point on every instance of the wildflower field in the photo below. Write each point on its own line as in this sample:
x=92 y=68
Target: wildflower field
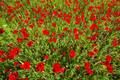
x=59 y=39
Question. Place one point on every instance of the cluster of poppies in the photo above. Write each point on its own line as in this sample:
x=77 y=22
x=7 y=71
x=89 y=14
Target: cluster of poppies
x=59 y=37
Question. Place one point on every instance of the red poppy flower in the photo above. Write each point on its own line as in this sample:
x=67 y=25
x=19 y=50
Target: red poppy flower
x=54 y=40
x=61 y=35
x=93 y=17
x=65 y=29
x=108 y=14
x=108 y=58
x=116 y=13
x=40 y=21
x=38 y=10
x=91 y=54
x=76 y=31
x=0 y=15
x=25 y=65
x=108 y=29
x=90 y=72
x=24 y=33
x=76 y=37
x=68 y=21
x=12 y=53
x=53 y=33
x=114 y=42
x=18 y=4
x=94 y=45
x=9 y=10
x=93 y=26
x=2 y=60
x=40 y=67
x=26 y=21
x=56 y=68
x=34 y=10
x=88 y=69
x=109 y=68
x=46 y=57
x=19 y=40
x=83 y=18
x=54 y=24
x=63 y=70
x=67 y=3
x=118 y=21
x=1 y=52
x=45 y=32
x=1 y=31
x=2 y=3
x=54 y=13
x=91 y=0
x=118 y=28
x=90 y=8
x=16 y=63
x=76 y=9
x=77 y=18
x=13 y=76
x=95 y=50
x=72 y=53
x=108 y=65
x=60 y=14
x=30 y=43
x=26 y=12
x=76 y=1
x=67 y=18
x=86 y=2
x=50 y=40
x=93 y=38
x=87 y=65
x=98 y=7
x=15 y=31
x=28 y=2
x=43 y=15
x=31 y=25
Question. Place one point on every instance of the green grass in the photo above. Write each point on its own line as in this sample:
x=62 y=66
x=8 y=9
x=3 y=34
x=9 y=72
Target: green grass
x=41 y=46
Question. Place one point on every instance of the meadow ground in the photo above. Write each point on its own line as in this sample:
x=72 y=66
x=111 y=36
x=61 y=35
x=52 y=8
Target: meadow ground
x=59 y=39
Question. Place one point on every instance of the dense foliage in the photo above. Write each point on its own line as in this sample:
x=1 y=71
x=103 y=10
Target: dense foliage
x=59 y=39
